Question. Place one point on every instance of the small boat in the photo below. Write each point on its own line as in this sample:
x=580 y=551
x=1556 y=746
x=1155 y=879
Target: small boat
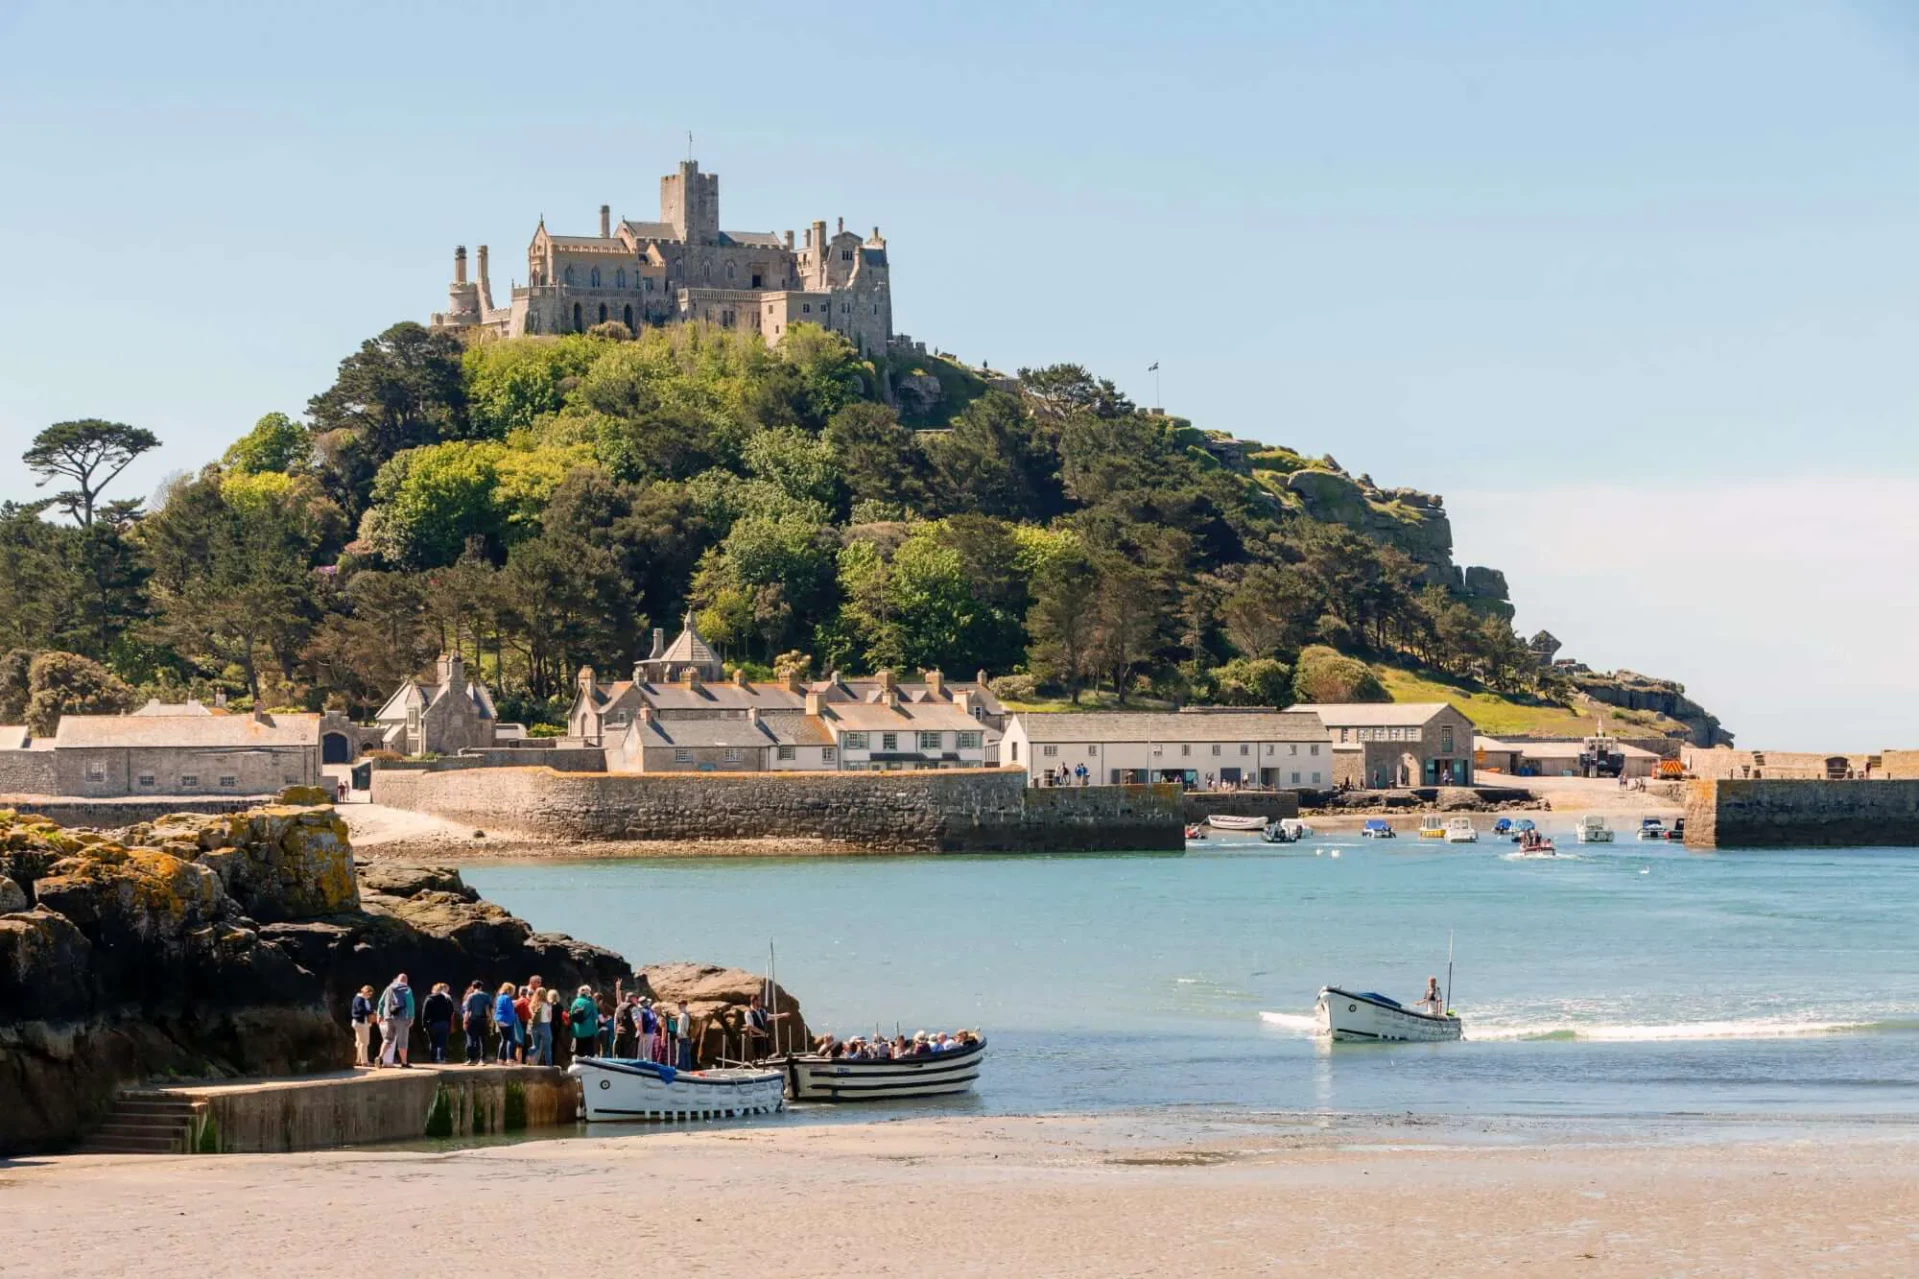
x=1460 y=831
x=1652 y=828
x=1592 y=829
x=1378 y=828
x=1503 y=826
x=814 y=1077
x=1279 y=833
x=1677 y=831
x=1196 y=832
x=1521 y=828
x=1431 y=829
x=1220 y=821
x=620 y=1089
x=1348 y=1016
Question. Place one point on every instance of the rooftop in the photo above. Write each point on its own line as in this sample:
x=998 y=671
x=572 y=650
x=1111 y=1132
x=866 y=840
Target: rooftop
x=1372 y=714
x=237 y=732
x=1171 y=726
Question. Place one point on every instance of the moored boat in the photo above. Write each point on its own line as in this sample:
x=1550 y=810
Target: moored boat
x=1651 y=828
x=1196 y=832
x=1592 y=829
x=1222 y=821
x=1431 y=829
x=1460 y=831
x=816 y=1077
x=1279 y=833
x=1349 y=1016
x=1503 y=826
x=1677 y=831
x=620 y=1089
x=1378 y=828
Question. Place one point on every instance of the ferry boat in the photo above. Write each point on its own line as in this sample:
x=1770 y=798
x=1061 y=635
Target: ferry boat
x=1460 y=831
x=1378 y=828
x=816 y=1077
x=1652 y=828
x=1592 y=829
x=616 y=1089
x=1349 y=1016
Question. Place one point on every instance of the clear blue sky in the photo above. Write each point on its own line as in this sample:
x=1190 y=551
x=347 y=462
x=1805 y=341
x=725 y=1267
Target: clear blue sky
x=1601 y=273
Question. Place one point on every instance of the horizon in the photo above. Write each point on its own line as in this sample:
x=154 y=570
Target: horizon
x=1636 y=312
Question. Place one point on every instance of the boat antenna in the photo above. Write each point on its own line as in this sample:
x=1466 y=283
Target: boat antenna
x=1449 y=970
x=772 y=971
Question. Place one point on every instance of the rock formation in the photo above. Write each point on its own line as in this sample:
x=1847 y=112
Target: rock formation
x=717 y=998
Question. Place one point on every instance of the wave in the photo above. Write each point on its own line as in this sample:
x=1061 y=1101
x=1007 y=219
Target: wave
x=1753 y=1028
x=1295 y=1022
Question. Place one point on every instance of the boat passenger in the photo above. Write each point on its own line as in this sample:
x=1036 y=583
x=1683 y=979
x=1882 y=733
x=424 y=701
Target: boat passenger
x=1431 y=998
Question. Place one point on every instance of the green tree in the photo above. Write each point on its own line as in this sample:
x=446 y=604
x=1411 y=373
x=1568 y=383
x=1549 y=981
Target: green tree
x=1269 y=610
x=89 y=453
x=990 y=463
x=1326 y=675
x=1063 y=620
x=830 y=372
x=802 y=466
x=69 y=684
x=276 y=443
x=1252 y=681
x=373 y=638
x=400 y=390
x=878 y=458
x=15 y=685
x=514 y=386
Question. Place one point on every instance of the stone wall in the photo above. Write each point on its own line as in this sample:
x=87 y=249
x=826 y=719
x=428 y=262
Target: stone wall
x=1901 y=765
x=984 y=810
x=28 y=772
x=111 y=814
x=1197 y=805
x=1788 y=813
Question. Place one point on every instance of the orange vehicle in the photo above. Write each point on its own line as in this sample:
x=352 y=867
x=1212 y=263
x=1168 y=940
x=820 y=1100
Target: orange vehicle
x=1670 y=770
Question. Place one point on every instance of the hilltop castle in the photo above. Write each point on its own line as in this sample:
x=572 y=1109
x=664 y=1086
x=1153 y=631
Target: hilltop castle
x=682 y=268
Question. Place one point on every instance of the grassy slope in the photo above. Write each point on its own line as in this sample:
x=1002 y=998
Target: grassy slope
x=1495 y=713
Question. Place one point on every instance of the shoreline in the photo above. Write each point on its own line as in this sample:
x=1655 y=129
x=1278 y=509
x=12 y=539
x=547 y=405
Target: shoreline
x=1116 y=1195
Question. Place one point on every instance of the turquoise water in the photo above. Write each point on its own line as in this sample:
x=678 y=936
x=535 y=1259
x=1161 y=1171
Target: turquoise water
x=1634 y=980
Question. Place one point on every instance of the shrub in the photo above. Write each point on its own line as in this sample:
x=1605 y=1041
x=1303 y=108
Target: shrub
x=1326 y=675
x=1252 y=681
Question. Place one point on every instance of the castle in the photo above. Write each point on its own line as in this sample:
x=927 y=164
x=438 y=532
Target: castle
x=683 y=268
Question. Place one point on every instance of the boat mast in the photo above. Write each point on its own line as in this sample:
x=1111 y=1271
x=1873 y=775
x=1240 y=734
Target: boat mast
x=1449 y=972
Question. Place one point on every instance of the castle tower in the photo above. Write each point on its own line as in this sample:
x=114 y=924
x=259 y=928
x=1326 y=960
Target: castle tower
x=463 y=299
x=690 y=203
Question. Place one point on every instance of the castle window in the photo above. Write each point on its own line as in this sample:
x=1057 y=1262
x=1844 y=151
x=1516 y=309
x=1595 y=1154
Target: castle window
x=807 y=307
x=756 y=279
x=595 y=277
x=649 y=284
x=627 y=315
x=729 y=270
x=846 y=255
x=619 y=278
x=602 y=313
x=568 y=274
x=577 y=326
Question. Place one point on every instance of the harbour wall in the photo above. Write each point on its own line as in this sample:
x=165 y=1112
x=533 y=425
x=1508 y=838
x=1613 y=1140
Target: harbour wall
x=110 y=814
x=1793 y=813
x=1271 y=805
x=281 y=1115
x=944 y=811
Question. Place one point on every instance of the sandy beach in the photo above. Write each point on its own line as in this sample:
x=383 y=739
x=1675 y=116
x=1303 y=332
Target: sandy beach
x=977 y=1196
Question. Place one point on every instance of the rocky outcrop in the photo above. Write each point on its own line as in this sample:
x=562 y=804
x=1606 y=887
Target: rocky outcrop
x=1632 y=691
x=217 y=945
x=717 y=998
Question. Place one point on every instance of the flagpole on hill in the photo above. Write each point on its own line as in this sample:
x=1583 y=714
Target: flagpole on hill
x=1159 y=403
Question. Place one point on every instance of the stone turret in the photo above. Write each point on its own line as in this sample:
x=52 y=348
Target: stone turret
x=462 y=298
x=606 y=222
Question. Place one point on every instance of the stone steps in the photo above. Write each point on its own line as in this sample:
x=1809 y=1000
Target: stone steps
x=145 y=1124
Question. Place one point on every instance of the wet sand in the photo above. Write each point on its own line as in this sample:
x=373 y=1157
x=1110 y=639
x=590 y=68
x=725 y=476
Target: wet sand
x=978 y=1196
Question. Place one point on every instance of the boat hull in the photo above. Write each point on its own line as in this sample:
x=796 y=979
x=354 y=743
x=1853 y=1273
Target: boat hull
x=618 y=1090
x=815 y=1078
x=1585 y=836
x=1220 y=821
x=1350 y=1017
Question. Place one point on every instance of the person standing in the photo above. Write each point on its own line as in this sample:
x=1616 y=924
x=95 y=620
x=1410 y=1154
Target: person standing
x=362 y=1024
x=396 y=1022
x=506 y=1021
x=583 y=1019
x=684 y=1022
x=646 y=1025
x=473 y=1021
x=540 y=1004
x=523 y=1009
x=436 y=1012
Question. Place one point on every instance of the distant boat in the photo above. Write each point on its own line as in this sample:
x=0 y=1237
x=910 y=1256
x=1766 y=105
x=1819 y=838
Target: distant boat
x=1520 y=827
x=1503 y=826
x=1349 y=1016
x=1460 y=831
x=1677 y=830
x=1220 y=821
x=1196 y=832
x=1431 y=829
x=1279 y=832
x=1378 y=828
x=616 y=1089
x=1592 y=829
x=1652 y=828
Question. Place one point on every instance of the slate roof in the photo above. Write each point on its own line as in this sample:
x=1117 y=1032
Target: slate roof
x=908 y=717
x=650 y=230
x=753 y=239
x=1171 y=726
x=588 y=243
x=704 y=732
x=687 y=647
x=234 y=732
x=155 y=706
x=1373 y=714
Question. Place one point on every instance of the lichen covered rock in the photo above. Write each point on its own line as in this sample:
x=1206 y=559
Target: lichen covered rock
x=12 y=896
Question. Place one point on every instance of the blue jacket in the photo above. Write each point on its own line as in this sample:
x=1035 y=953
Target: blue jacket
x=503 y=1011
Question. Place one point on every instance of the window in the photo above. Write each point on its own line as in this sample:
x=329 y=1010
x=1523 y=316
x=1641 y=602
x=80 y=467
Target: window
x=594 y=279
x=929 y=741
x=732 y=754
x=146 y=779
x=889 y=741
x=1342 y=735
x=288 y=779
x=1015 y=752
x=616 y=720
x=729 y=270
x=96 y=772
x=1244 y=749
x=1315 y=779
x=756 y=279
x=854 y=741
x=649 y=284
x=1215 y=748
x=828 y=755
x=1293 y=749
x=228 y=781
x=1446 y=740
x=567 y=274
x=846 y=255
x=969 y=741
x=807 y=307
x=786 y=752
x=682 y=755
x=1186 y=748
x=1158 y=749
x=619 y=278
x=1050 y=751
x=602 y=313
x=1092 y=750
x=1269 y=750
x=1313 y=749
x=189 y=781
x=1295 y=779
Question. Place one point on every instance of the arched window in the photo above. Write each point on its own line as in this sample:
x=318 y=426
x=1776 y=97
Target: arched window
x=729 y=270
x=602 y=313
x=626 y=316
x=619 y=278
x=596 y=277
x=569 y=273
x=532 y=321
x=577 y=326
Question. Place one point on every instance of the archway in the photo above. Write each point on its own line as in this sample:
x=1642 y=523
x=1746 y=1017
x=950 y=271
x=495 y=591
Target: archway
x=335 y=749
x=628 y=316
x=577 y=326
x=602 y=313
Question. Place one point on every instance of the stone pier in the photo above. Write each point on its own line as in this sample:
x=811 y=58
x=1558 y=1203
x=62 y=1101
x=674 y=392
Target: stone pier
x=1791 y=813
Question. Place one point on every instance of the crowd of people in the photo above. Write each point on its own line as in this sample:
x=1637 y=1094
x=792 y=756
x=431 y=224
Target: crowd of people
x=529 y=1025
x=898 y=1048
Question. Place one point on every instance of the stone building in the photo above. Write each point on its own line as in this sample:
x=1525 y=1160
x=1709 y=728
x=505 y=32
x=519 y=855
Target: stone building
x=682 y=268
x=756 y=743
x=439 y=713
x=112 y=756
x=1279 y=750
x=1379 y=745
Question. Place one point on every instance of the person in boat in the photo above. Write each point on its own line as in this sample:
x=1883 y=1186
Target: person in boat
x=1431 y=1000
x=758 y=1029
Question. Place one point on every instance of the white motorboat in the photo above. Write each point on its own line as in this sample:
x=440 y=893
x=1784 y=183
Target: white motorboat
x=616 y=1089
x=1220 y=821
x=1592 y=829
x=1651 y=828
x=1378 y=828
x=1351 y=1016
x=813 y=1077
x=1460 y=831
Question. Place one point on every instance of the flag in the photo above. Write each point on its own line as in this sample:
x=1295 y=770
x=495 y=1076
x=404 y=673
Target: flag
x=1153 y=367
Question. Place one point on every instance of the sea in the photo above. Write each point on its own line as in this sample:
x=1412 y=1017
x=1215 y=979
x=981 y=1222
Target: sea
x=1629 y=982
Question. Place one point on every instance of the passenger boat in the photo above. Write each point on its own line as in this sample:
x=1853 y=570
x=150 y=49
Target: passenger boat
x=1521 y=828
x=1220 y=821
x=1378 y=828
x=1431 y=829
x=1651 y=828
x=815 y=1077
x=1460 y=831
x=620 y=1089
x=1592 y=829
x=1358 y=1016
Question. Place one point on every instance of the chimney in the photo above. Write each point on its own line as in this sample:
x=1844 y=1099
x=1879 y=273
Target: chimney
x=935 y=683
x=876 y=235
x=690 y=676
x=842 y=227
x=885 y=679
x=219 y=699
x=486 y=285
x=790 y=681
x=646 y=713
x=817 y=238
x=739 y=677
x=787 y=238
x=455 y=668
x=812 y=703
x=963 y=702
x=659 y=644
x=753 y=716
x=261 y=717
x=459 y=265
x=586 y=680
x=606 y=222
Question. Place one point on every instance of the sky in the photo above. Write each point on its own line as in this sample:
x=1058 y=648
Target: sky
x=1634 y=285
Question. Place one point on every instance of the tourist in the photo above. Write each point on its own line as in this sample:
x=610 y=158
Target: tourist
x=362 y=1024
x=473 y=1020
x=396 y=1022
x=603 y=1006
x=523 y=1009
x=758 y=1030
x=683 y=1027
x=540 y=1004
x=1431 y=998
x=506 y=1021
x=556 y=1043
x=583 y=1020
x=624 y=1021
x=645 y=1026
x=437 y=1014
x=659 y=1035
